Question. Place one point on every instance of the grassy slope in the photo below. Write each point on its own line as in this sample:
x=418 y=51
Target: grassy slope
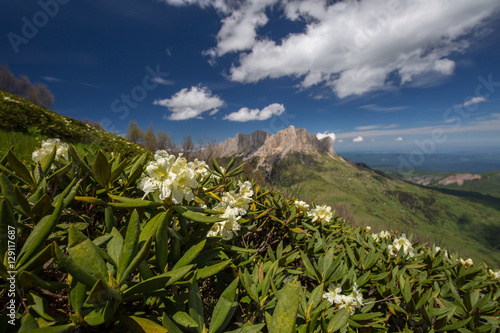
x=18 y=115
x=463 y=222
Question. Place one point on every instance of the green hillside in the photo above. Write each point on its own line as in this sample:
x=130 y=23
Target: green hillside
x=25 y=124
x=461 y=221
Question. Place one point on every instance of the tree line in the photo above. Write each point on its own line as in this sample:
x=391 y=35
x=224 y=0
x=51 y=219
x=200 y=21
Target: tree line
x=36 y=93
x=161 y=140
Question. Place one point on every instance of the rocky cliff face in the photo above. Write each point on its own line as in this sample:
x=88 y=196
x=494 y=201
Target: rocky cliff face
x=274 y=146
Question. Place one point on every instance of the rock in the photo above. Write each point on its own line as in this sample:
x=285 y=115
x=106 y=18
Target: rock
x=274 y=146
x=459 y=178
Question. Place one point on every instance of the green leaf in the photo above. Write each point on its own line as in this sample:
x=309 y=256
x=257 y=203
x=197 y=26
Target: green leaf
x=190 y=254
x=208 y=271
x=37 y=260
x=455 y=325
x=51 y=329
x=158 y=282
x=77 y=295
x=339 y=320
x=100 y=315
x=20 y=169
x=225 y=307
x=8 y=230
x=91 y=200
x=130 y=245
x=285 y=313
x=115 y=245
x=169 y=324
x=249 y=329
x=70 y=266
x=161 y=244
x=29 y=280
x=78 y=160
x=135 y=324
x=40 y=234
x=86 y=254
x=41 y=207
x=196 y=216
x=115 y=173
x=183 y=319
x=216 y=165
x=307 y=264
x=196 y=305
x=136 y=204
x=21 y=199
x=8 y=189
x=141 y=255
x=109 y=218
x=47 y=162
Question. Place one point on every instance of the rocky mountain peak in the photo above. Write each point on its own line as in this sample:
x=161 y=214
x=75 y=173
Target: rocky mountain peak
x=262 y=144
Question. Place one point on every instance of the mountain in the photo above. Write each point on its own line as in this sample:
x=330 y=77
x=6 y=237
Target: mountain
x=269 y=148
x=307 y=168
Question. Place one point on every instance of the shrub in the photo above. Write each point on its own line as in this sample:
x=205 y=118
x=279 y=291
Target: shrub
x=93 y=256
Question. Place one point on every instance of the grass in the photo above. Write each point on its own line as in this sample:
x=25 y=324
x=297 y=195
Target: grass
x=24 y=119
x=461 y=221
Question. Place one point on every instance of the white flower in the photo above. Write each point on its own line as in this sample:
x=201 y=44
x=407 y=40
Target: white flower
x=399 y=243
x=322 y=214
x=200 y=167
x=357 y=296
x=172 y=177
x=301 y=206
x=246 y=189
x=381 y=235
x=351 y=302
x=367 y=229
x=467 y=263
x=437 y=249
x=47 y=147
x=495 y=275
x=233 y=206
x=333 y=294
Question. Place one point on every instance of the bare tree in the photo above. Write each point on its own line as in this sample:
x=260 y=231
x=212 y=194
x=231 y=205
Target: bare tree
x=7 y=79
x=187 y=146
x=150 y=138
x=134 y=132
x=164 y=142
x=36 y=93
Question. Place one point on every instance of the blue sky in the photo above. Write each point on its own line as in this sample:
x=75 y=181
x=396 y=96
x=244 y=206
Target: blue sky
x=377 y=75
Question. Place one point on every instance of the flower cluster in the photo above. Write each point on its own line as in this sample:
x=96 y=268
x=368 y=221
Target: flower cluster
x=321 y=214
x=48 y=147
x=381 y=235
x=467 y=263
x=351 y=302
x=174 y=178
x=401 y=242
x=233 y=206
x=301 y=206
x=201 y=169
x=495 y=275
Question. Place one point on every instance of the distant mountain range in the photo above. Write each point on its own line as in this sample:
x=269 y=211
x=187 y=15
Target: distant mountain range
x=302 y=166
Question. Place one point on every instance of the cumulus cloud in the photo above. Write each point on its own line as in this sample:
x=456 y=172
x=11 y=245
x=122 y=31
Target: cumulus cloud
x=475 y=100
x=246 y=114
x=398 y=139
x=351 y=47
x=358 y=139
x=191 y=103
x=325 y=135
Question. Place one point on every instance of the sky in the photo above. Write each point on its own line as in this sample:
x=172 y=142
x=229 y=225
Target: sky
x=375 y=75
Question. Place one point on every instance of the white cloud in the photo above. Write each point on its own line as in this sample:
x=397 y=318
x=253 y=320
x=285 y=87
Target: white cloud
x=52 y=79
x=374 y=107
x=392 y=126
x=163 y=81
x=352 y=47
x=191 y=103
x=358 y=139
x=366 y=128
x=325 y=134
x=398 y=139
x=246 y=114
x=340 y=141
x=475 y=100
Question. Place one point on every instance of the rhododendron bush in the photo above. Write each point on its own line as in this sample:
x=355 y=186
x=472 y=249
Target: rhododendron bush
x=161 y=244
